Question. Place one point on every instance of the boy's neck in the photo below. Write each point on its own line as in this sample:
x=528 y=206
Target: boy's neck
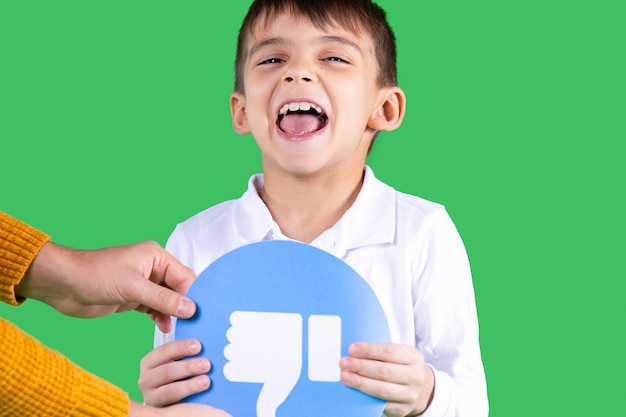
x=304 y=207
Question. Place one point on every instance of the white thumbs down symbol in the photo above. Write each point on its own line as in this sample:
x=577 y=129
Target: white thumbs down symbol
x=267 y=348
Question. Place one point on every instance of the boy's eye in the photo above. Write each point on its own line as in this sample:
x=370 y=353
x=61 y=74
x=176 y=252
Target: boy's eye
x=271 y=61
x=335 y=59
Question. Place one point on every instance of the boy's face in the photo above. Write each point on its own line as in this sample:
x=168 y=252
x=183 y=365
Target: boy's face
x=309 y=97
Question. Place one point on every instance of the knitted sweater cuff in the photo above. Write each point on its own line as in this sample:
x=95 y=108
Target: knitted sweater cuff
x=19 y=244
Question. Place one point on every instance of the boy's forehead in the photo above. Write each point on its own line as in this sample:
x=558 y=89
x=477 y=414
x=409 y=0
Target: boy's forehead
x=264 y=26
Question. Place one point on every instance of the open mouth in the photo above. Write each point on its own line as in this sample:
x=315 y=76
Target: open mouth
x=299 y=118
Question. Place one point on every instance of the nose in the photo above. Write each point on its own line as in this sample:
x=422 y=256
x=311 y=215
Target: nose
x=291 y=79
x=298 y=72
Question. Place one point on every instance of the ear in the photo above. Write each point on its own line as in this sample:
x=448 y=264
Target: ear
x=388 y=114
x=238 y=113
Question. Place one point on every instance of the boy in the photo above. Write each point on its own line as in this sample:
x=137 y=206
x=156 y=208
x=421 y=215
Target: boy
x=315 y=83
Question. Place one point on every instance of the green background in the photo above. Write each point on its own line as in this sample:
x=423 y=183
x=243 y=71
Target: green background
x=114 y=126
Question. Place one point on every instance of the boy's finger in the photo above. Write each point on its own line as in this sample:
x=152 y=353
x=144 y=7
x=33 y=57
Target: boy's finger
x=386 y=352
x=176 y=371
x=375 y=370
x=172 y=393
x=196 y=410
x=380 y=389
x=170 y=352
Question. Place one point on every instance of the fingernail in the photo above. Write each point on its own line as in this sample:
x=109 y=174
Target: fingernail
x=344 y=363
x=204 y=366
x=185 y=307
x=204 y=382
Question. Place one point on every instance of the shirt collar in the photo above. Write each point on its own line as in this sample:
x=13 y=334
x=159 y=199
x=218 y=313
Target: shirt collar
x=370 y=220
x=252 y=220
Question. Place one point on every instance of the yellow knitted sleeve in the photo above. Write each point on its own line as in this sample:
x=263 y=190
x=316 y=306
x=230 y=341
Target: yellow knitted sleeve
x=37 y=381
x=19 y=244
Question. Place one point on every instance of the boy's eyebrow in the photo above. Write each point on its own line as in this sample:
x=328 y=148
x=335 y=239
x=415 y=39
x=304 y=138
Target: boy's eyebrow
x=323 y=39
x=341 y=40
x=266 y=42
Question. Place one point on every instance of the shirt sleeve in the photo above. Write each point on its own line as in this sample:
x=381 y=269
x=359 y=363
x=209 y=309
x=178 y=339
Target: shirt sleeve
x=446 y=323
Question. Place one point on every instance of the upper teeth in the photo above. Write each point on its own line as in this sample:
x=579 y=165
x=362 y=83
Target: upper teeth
x=303 y=105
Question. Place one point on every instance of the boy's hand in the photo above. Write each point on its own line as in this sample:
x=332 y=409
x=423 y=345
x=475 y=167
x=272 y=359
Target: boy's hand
x=164 y=380
x=177 y=410
x=392 y=372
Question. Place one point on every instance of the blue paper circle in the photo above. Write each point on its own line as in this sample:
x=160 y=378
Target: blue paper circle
x=283 y=277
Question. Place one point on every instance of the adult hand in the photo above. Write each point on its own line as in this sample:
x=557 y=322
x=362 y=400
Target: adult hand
x=393 y=372
x=95 y=283
x=177 y=410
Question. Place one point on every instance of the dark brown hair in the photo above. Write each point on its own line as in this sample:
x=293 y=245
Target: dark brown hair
x=357 y=16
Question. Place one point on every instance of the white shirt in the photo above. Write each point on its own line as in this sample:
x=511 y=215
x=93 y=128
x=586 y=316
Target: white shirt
x=409 y=252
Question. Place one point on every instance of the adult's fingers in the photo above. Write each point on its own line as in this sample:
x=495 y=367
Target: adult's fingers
x=162 y=300
x=168 y=271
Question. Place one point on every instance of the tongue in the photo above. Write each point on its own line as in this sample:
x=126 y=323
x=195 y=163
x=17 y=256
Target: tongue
x=299 y=124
